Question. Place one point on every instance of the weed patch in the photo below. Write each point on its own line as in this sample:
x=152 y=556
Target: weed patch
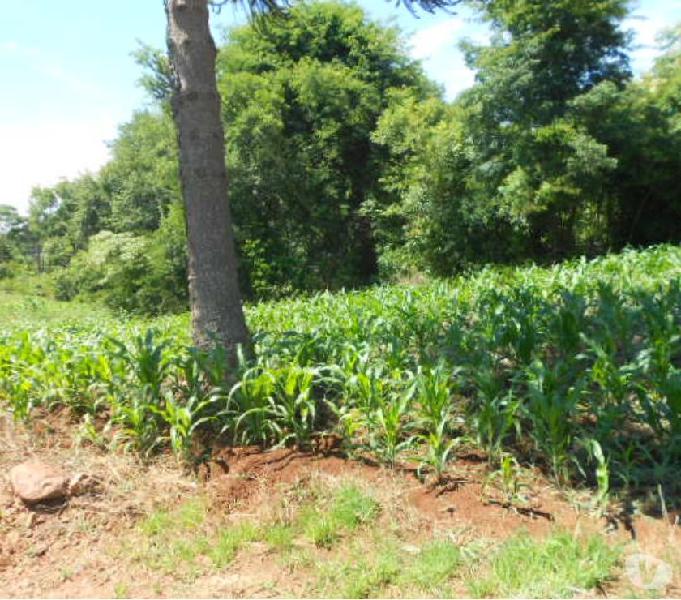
x=176 y=542
x=559 y=567
x=349 y=508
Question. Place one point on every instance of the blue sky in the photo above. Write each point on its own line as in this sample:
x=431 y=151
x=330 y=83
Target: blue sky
x=68 y=78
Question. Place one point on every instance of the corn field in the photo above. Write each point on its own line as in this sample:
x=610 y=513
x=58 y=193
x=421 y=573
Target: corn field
x=575 y=369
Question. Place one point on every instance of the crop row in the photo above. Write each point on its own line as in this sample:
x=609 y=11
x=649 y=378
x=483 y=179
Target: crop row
x=575 y=368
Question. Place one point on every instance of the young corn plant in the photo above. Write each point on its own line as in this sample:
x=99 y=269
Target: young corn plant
x=589 y=349
x=657 y=399
x=507 y=479
x=20 y=397
x=392 y=432
x=136 y=415
x=187 y=375
x=293 y=405
x=21 y=378
x=494 y=413
x=147 y=362
x=439 y=449
x=247 y=405
x=182 y=418
x=551 y=408
x=90 y=433
x=363 y=394
x=602 y=499
x=432 y=393
x=565 y=330
x=611 y=387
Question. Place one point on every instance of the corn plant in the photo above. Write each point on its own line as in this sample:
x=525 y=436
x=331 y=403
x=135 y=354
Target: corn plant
x=364 y=393
x=493 y=413
x=507 y=479
x=292 y=405
x=247 y=405
x=146 y=360
x=392 y=426
x=182 y=418
x=524 y=361
x=551 y=408
x=670 y=389
x=136 y=415
x=432 y=393
x=439 y=449
x=602 y=476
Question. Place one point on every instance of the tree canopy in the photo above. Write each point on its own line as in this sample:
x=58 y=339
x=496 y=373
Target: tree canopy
x=348 y=167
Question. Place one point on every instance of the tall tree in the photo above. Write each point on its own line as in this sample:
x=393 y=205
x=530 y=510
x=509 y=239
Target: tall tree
x=511 y=171
x=215 y=298
x=300 y=100
x=535 y=165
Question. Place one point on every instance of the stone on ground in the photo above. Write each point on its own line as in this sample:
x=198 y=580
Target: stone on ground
x=35 y=482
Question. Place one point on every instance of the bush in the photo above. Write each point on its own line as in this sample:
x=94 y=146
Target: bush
x=135 y=273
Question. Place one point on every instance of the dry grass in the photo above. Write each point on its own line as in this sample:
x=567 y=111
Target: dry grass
x=151 y=529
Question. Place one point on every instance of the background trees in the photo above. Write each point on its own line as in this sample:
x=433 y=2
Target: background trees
x=554 y=151
x=347 y=166
x=301 y=98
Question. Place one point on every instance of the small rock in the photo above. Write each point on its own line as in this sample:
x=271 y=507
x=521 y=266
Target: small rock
x=35 y=482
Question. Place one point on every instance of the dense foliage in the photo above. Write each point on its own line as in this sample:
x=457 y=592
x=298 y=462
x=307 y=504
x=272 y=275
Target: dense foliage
x=301 y=98
x=553 y=152
x=347 y=167
x=575 y=368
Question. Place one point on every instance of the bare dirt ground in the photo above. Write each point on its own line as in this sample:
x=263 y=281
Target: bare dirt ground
x=92 y=544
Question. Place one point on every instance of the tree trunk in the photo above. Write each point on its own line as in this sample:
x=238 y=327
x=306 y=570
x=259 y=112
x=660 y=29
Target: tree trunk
x=215 y=298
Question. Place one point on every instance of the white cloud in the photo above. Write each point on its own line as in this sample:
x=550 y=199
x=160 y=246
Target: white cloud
x=437 y=47
x=645 y=44
x=45 y=139
x=433 y=40
x=43 y=152
x=451 y=71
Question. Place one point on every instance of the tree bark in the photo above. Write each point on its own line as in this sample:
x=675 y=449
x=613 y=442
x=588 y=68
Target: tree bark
x=215 y=298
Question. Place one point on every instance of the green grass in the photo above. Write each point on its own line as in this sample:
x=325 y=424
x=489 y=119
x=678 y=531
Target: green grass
x=121 y=590
x=186 y=517
x=360 y=556
x=561 y=566
x=379 y=564
x=349 y=508
x=436 y=562
x=365 y=573
x=173 y=541
x=280 y=537
x=30 y=311
x=223 y=550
